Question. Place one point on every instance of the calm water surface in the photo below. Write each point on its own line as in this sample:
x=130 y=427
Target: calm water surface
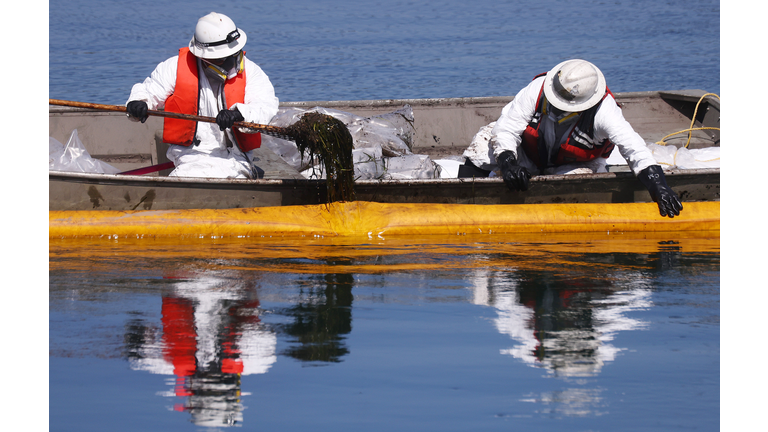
x=589 y=334
x=597 y=333
x=371 y=49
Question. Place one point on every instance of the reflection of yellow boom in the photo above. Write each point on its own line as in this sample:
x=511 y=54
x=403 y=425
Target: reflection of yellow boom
x=372 y=220
x=533 y=251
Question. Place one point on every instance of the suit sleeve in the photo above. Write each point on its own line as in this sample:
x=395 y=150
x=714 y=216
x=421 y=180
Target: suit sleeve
x=508 y=132
x=611 y=124
x=261 y=104
x=156 y=88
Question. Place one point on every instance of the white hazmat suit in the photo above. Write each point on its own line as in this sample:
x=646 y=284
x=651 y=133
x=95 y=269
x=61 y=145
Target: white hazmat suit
x=506 y=135
x=215 y=155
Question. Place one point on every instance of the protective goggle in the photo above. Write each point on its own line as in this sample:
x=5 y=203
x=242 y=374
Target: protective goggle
x=231 y=37
x=236 y=57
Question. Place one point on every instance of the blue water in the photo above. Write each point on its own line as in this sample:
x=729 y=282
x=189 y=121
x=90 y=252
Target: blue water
x=495 y=332
x=367 y=49
x=385 y=336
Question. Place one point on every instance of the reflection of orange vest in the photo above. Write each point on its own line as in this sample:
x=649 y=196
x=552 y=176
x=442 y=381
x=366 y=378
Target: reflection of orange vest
x=580 y=146
x=179 y=335
x=184 y=100
x=180 y=339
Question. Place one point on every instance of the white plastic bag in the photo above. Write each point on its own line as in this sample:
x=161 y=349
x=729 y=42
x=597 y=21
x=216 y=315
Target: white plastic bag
x=698 y=158
x=449 y=166
x=670 y=157
x=75 y=158
x=368 y=163
x=664 y=155
x=286 y=150
x=375 y=139
x=392 y=132
x=411 y=167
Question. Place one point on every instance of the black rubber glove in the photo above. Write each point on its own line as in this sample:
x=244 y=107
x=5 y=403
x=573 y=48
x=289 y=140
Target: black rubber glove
x=515 y=176
x=227 y=118
x=653 y=179
x=138 y=109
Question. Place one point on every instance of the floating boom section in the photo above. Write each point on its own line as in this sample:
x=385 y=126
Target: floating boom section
x=371 y=219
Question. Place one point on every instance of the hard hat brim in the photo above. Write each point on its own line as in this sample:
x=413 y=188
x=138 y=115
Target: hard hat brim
x=570 y=106
x=220 y=51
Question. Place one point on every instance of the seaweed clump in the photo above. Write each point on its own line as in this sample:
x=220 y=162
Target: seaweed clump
x=326 y=138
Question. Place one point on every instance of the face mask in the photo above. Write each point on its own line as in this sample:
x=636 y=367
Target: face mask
x=227 y=68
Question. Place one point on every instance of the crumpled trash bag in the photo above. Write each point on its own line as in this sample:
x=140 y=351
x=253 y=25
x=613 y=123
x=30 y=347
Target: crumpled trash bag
x=411 y=166
x=664 y=155
x=368 y=163
x=368 y=166
x=75 y=158
x=671 y=157
x=286 y=150
x=393 y=132
x=698 y=158
x=375 y=139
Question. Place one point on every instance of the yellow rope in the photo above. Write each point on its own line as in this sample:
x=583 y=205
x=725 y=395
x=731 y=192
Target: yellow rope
x=693 y=120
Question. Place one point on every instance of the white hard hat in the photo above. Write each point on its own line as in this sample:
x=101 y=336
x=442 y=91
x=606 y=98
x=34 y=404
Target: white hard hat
x=216 y=36
x=574 y=85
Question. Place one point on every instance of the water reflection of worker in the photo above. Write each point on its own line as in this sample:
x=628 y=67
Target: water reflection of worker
x=561 y=325
x=211 y=336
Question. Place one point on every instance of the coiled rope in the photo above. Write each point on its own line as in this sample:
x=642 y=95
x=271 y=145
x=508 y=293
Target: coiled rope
x=690 y=130
x=693 y=121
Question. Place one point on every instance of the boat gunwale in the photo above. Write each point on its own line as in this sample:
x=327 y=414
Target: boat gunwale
x=97 y=178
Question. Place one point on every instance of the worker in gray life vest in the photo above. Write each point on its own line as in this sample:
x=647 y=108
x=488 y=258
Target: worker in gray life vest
x=567 y=122
x=210 y=77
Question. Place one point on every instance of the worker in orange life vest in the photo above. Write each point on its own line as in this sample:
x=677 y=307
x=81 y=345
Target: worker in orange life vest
x=213 y=78
x=566 y=122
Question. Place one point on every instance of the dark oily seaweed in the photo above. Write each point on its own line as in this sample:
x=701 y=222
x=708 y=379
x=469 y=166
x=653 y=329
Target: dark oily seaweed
x=328 y=139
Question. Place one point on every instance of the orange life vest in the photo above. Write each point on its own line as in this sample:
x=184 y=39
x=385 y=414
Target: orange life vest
x=184 y=100
x=580 y=146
